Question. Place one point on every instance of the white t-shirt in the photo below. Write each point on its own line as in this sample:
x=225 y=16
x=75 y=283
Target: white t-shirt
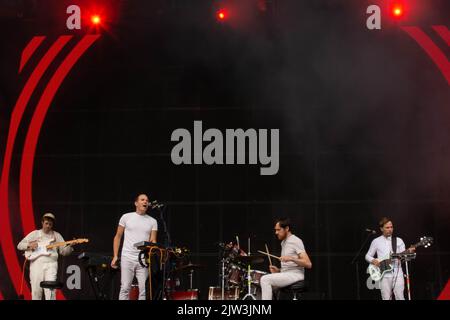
x=137 y=228
x=292 y=246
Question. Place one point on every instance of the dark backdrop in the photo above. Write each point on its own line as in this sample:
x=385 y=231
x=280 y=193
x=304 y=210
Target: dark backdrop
x=363 y=118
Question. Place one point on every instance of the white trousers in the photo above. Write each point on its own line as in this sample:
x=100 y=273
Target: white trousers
x=272 y=281
x=128 y=269
x=387 y=286
x=42 y=270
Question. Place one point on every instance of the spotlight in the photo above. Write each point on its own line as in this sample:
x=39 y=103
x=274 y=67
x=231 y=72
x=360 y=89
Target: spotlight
x=95 y=19
x=397 y=9
x=222 y=14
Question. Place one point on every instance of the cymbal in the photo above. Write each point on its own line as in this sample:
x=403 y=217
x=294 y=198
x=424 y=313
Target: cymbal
x=254 y=259
x=188 y=267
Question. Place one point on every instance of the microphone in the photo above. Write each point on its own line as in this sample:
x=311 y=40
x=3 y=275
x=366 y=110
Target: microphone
x=155 y=205
x=371 y=231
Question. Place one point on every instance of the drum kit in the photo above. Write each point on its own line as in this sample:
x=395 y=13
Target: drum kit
x=239 y=279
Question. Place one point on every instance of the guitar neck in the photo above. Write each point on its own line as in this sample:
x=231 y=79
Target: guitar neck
x=414 y=246
x=60 y=244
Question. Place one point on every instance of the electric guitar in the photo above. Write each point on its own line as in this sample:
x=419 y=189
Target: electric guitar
x=386 y=265
x=44 y=247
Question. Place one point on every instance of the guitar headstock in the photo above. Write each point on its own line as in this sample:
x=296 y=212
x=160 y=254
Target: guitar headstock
x=424 y=242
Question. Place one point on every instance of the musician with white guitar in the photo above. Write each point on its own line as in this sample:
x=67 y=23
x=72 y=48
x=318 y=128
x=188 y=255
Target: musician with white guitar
x=392 y=281
x=43 y=267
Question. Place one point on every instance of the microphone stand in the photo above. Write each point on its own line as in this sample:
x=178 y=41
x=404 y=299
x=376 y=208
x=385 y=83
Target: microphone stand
x=167 y=242
x=355 y=262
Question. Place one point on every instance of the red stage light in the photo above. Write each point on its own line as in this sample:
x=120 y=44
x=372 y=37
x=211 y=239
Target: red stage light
x=95 y=19
x=397 y=9
x=222 y=15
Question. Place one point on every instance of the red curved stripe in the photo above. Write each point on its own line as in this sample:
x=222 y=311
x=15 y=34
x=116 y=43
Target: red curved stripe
x=26 y=169
x=29 y=50
x=443 y=32
x=1 y=296
x=445 y=294
x=8 y=247
x=431 y=49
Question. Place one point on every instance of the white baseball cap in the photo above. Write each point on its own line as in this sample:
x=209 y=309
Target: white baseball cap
x=49 y=215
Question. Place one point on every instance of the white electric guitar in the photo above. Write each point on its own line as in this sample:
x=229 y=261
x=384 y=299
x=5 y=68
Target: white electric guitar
x=386 y=265
x=44 y=248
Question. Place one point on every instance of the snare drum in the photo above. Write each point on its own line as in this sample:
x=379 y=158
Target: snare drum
x=184 y=295
x=235 y=275
x=215 y=293
x=255 y=276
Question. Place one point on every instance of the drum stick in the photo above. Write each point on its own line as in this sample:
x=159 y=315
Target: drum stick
x=268 y=254
x=270 y=260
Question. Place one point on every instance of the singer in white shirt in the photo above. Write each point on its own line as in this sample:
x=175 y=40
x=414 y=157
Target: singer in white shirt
x=137 y=226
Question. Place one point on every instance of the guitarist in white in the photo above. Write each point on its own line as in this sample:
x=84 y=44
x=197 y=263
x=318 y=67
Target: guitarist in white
x=45 y=267
x=383 y=246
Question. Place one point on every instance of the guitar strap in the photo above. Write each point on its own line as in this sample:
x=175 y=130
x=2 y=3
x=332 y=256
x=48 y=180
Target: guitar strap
x=394 y=244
